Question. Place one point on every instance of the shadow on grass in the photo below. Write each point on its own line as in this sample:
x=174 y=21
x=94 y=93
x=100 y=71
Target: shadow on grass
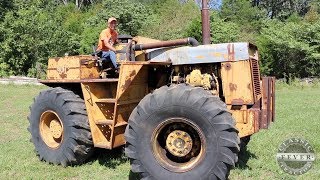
x=109 y=158
x=244 y=156
x=116 y=157
x=112 y=158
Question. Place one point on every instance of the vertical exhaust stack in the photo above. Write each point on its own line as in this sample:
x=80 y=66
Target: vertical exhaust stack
x=205 y=23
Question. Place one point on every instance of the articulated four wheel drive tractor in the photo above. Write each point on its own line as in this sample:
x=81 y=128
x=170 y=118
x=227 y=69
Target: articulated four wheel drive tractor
x=181 y=109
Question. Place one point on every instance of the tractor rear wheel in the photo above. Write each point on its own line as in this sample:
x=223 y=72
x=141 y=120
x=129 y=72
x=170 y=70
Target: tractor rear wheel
x=59 y=127
x=181 y=132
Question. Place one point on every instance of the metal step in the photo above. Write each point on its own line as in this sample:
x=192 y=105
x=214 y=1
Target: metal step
x=105 y=145
x=106 y=100
x=121 y=124
x=104 y=121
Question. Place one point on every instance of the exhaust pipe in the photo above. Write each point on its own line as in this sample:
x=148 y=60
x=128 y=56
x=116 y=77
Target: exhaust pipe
x=205 y=23
x=139 y=47
x=161 y=44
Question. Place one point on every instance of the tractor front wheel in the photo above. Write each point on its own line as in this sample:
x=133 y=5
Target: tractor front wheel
x=181 y=132
x=59 y=127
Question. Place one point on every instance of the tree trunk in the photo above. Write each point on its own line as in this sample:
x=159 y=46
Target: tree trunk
x=65 y=2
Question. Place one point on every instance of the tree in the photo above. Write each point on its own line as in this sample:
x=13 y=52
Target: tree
x=170 y=19
x=290 y=50
x=283 y=9
x=5 y=6
x=80 y=3
x=32 y=35
x=131 y=16
x=221 y=32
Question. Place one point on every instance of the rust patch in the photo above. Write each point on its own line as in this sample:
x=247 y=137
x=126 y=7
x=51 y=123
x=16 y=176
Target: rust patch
x=249 y=86
x=267 y=102
x=273 y=97
x=63 y=75
x=255 y=114
x=128 y=80
x=227 y=66
x=231 y=53
x=257 y=105
x=56 y=59
x=233 y=87
x=91 y=76
x=237 y=102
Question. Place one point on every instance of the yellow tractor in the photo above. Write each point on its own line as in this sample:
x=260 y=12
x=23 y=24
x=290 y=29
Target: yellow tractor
x=180 y=108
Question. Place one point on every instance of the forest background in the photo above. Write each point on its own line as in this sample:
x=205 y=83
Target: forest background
x=287 y=32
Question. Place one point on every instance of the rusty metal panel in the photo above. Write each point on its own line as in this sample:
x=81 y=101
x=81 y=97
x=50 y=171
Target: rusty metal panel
x=118 y=136
x=128 y=73
x=121 y=51
x=132 y=87
x=237 y=82
x=256 y=118
x=97 y=111
x=89 y=70
x=246 y=121
x=203 y=54
x=268 y=102
x=71 y=68
x=264 y=105
x=272 y=98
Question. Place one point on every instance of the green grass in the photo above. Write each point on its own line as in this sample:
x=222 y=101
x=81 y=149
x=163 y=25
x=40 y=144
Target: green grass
x=297 y=115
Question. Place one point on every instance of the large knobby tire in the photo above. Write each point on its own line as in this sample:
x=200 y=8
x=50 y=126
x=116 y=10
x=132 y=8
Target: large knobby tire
x=181 y=109
x=59 y=127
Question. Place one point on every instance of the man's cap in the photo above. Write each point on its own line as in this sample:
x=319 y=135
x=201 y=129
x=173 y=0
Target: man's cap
x=111 y=19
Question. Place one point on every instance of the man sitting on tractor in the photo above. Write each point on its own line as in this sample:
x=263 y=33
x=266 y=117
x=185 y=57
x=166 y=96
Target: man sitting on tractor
x=108 y=37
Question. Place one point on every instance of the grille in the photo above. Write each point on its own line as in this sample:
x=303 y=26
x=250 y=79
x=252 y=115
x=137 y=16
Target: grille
x=256 y=77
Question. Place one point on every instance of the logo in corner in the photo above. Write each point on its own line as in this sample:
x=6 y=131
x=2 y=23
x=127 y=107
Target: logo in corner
x=295 y=156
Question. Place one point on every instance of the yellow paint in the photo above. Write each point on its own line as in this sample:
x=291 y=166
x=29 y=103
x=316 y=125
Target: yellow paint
x=216 y=54
x=71 y=68
x=244 y=122
x=109 y=104
x=200 y=57
x=237 y=81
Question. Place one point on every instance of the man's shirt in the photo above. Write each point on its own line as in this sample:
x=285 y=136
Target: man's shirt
x=107 y=33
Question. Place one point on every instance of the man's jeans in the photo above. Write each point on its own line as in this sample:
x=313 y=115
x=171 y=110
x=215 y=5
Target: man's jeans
x=110 y=56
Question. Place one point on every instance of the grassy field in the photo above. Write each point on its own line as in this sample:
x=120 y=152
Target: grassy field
x=297 y=115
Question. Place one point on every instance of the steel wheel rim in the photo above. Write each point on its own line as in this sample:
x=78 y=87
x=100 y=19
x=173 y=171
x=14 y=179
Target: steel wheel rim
x=51 y=129
x=166 y=156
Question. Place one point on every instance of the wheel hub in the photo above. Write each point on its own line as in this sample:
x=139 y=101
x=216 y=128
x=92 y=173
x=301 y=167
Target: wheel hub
x=55 y=128
x=51 y=129
x=179 y=143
